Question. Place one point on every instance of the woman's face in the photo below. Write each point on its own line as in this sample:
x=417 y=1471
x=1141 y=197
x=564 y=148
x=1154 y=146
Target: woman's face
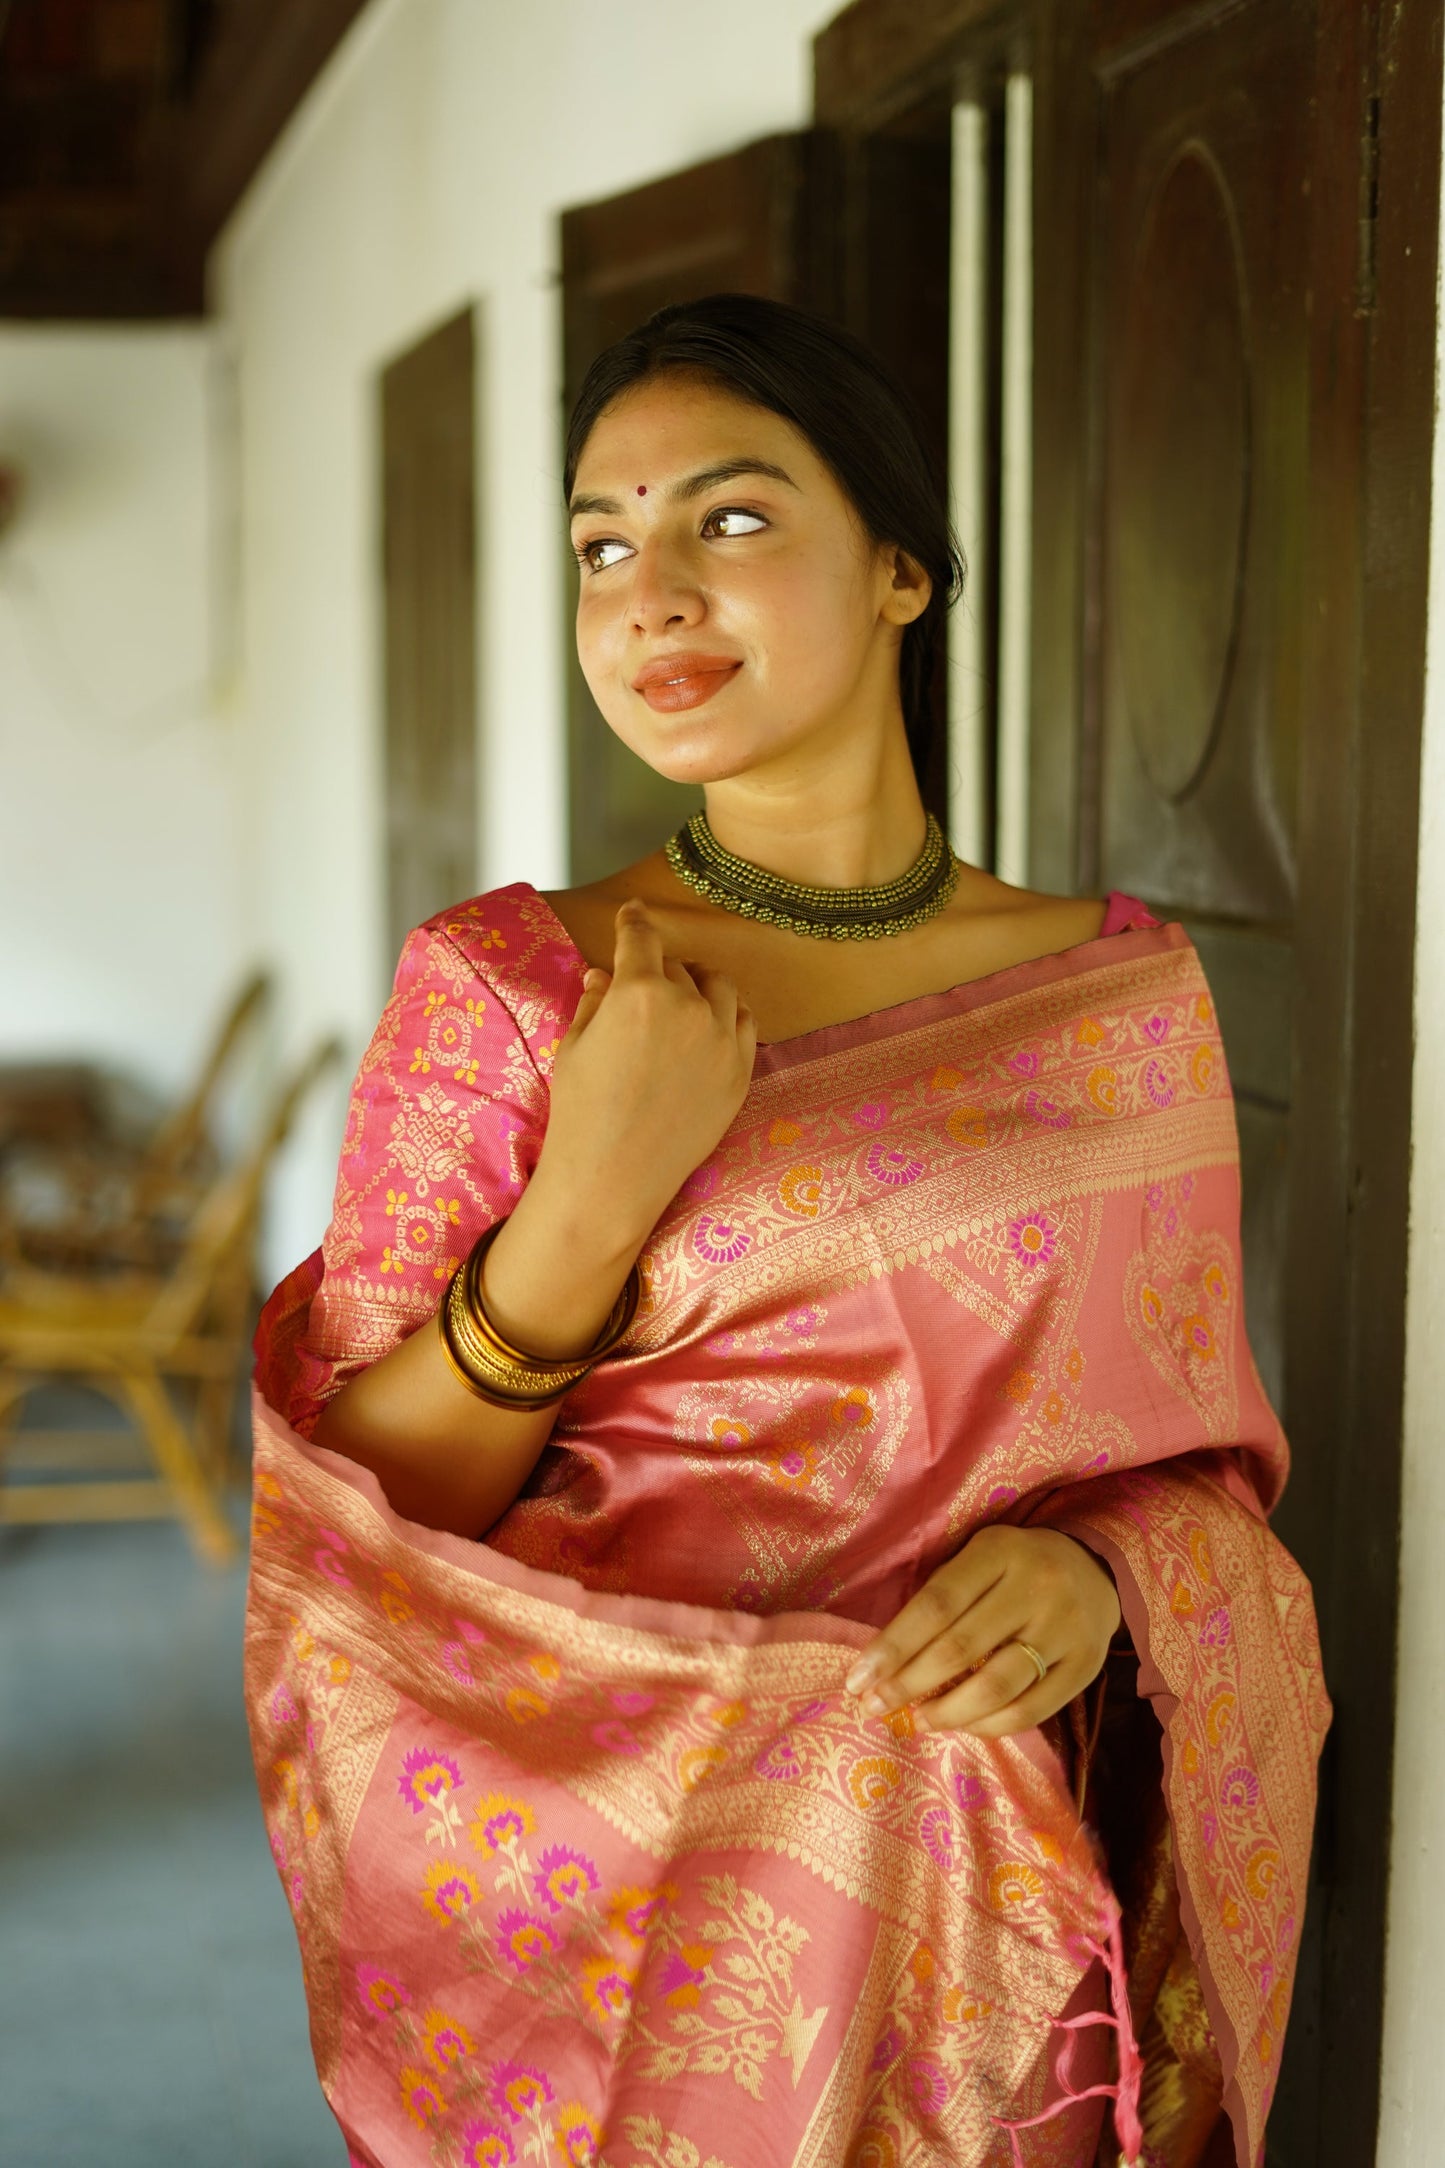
x=732 y=614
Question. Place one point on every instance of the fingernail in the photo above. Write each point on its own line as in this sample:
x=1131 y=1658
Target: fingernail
x=864 y=1672
x=873 y=1705
x=590 y=976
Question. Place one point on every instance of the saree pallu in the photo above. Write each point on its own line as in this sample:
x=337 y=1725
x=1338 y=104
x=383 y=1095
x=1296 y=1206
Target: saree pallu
x=591 y=1858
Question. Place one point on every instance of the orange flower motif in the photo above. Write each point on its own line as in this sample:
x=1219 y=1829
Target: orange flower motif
x=522 y=1704
x=801 y=1190
x=419 y=1061
x=873 y=1779
x=1201 y=1068
x=1181 y=1603
x=1190 y=1758
x=1013 y=1883
x=1219 y=1717
x=697 y=1764
x=922 y=1964
x=968 y=1125
x=1054 y=1408
x=435 y=1000
x=1090 y=1032
x=390 y=1262
x=546 y=1666
x=1204 y=1010
x=853 y=1410
x=1198 y=1337
x=444 y=2042
x=1102 y=1085
x=729 y=1434
x=1199 y=1552
x=395 y=1199
x=1020 y=1385
x=729 y=1713
x=1151 y=1304
x=945 y=1079
x=1260 y=1871
x=783 y=1132
x=1216 y=1283
x=394 y=1592
x=465 y=1073
x=1074 y=1365
x=962 y=2007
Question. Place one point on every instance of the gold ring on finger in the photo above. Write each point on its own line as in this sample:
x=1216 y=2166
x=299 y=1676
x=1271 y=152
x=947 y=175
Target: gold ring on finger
x=1035 y=1659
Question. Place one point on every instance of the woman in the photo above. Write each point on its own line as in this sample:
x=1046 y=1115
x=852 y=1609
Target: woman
x=878 y=1725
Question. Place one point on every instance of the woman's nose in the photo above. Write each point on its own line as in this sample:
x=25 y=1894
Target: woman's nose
x=663 y=592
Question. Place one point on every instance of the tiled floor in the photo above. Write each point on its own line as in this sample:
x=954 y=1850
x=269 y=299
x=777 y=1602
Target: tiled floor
x=151 y=2013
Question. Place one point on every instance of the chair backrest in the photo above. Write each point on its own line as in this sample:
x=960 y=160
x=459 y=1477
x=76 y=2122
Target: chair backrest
x=183 y=1133
x=224 y=1222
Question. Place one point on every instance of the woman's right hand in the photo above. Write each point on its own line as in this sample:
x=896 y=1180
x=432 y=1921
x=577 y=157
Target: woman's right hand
x=655 y=1066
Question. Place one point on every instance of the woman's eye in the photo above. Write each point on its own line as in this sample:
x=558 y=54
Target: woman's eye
x=733 y=513
x=591 y=555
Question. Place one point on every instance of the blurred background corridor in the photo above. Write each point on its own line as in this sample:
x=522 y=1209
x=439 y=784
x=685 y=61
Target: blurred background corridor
x=294 y=296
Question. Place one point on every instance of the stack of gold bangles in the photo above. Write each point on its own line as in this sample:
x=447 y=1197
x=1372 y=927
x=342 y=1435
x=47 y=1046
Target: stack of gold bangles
x=490 y=1366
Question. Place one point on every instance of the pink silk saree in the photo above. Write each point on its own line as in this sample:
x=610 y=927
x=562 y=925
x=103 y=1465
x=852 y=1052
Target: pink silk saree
x=590 y=1857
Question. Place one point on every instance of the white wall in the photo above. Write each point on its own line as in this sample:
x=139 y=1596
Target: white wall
x=1412 y=2114
x=427 y=168
x=119 y=910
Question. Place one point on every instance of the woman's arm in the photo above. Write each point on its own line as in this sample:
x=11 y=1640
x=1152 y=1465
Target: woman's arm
x=654 y=1067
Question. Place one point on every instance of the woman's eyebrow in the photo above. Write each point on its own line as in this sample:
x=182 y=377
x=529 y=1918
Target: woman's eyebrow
x=724 y=470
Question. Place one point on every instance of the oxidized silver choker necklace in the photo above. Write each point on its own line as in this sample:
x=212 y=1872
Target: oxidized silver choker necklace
x=827 y=914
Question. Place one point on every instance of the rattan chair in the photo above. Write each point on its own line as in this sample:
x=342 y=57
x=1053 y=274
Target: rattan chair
x=154 y=1344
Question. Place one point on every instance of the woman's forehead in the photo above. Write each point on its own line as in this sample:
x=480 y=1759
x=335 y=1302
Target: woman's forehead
x=673 y=427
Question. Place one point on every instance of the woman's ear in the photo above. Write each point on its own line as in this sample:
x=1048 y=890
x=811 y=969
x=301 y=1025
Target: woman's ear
x=909 y=586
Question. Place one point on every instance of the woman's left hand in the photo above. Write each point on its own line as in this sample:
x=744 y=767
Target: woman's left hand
x=1005 y=1587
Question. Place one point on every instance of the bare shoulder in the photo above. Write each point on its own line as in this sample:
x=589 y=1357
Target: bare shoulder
x=1015 y=925
x=589 y=911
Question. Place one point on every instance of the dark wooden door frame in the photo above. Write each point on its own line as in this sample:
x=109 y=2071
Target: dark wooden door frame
x=1373 y=297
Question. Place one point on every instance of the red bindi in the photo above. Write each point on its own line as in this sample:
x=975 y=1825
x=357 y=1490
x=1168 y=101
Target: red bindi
x=642 y=489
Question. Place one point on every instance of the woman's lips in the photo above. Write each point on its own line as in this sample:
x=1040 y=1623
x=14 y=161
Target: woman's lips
x=687 y=687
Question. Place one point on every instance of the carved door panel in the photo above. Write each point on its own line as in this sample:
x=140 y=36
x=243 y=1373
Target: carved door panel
x=760 y=221
x=429 y=618
x=1202 y=358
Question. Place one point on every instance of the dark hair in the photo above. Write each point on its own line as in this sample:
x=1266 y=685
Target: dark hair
x=858 y=420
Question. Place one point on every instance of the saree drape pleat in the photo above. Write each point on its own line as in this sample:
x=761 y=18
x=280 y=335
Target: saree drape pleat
x=591 y=1858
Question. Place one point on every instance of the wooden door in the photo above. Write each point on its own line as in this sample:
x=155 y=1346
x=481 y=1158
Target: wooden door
x=761 y=221
x=429 y=553
x=1234 y=240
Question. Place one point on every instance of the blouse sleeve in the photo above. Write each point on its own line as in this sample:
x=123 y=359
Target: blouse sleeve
x=446 y=1122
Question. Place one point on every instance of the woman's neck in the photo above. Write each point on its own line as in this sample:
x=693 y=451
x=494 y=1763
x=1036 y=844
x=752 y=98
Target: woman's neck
x=831 y=830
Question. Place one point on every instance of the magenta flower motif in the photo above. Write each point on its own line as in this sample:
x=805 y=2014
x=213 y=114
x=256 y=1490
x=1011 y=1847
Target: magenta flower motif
x=794 y=1464
x=1158 y=1028
x=563 y=1876
x=1047 y=1111
x=454 y=1659
x=886 y=2051
x=1154 y=1196
x=522 y=1938
x=515 y=2089
x=872 y=1115
x=1157 y=1084
x=1216 y=1630
x=721 y=1242
x=677 y=1975
x=1186 y=1187
x=969 y=1793
x=804 y=1319
x=378 y=1990
x=631 y=1702
x=1002 y=1494
x=893 y=1165
x=283 y=1708
x=327 y=1562
x=1209 y=1830
x=426 y=1778
x=1027 y=1064
x=1032 y=1238
x=779 y=1761
x=484 y=2145
x=616 y=1738
x=1171 y=1221
x=1284 y=1937
x=1240 y=1788
x=701 y=1182
x=936 y=1830
x=930 y=2086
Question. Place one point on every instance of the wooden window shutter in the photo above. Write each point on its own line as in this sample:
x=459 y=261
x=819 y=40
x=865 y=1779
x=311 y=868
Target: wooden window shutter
x=428 y=432
x=761 y=220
